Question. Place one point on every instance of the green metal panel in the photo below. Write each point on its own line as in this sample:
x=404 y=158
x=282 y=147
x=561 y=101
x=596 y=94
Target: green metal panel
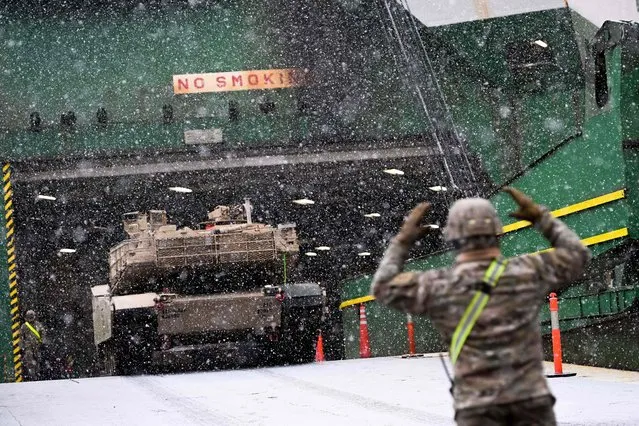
x=629 y=77
x=629 y=101
x=483 y=42
x=388 y=334
x=124 y=61
x=474 y=111
x=506 y=123
x=580 y=307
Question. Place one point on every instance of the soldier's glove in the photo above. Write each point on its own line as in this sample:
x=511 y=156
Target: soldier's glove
x=528 y=209
x=412 y=229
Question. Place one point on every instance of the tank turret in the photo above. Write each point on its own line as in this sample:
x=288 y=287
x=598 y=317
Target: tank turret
x=156 y=248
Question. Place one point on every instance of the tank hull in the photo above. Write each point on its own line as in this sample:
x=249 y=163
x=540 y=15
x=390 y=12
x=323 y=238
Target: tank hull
x=154 y=331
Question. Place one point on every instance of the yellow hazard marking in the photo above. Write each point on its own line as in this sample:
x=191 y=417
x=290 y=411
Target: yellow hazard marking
x=598 y=239
x=11 y=265
x=356 y=301
x=564 y=211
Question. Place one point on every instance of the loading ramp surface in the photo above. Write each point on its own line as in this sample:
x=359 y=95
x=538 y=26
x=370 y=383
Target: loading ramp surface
x=378 y=391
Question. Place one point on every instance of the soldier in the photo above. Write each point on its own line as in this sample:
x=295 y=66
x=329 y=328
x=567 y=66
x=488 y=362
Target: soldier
x=31 y=338
x=487 y=306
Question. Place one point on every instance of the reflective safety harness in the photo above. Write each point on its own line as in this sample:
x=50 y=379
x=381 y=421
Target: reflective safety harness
x=34 y=331
x=476 y=306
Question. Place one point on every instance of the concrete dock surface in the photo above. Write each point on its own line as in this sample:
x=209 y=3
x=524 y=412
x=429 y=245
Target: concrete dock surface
x=378 y=391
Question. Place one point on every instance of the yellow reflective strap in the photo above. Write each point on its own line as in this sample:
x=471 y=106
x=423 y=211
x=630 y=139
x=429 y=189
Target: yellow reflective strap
x=34 y=331
x=475 y=308
x=465 y=325
x=490 y=271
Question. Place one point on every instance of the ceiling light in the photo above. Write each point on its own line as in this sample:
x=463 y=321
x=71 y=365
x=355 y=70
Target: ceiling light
x=438 y=188
x=304 y=202
x=541 y=43
x=322 y=248
x=67 y=250
x=310 y=253
x=364 y=253
x=181 y=189
x=46 y=197
x=394 y=172
x=433 y=226
x=372 y=215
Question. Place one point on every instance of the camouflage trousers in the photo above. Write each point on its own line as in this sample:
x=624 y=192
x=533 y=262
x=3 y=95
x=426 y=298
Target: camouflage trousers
x=529 y=412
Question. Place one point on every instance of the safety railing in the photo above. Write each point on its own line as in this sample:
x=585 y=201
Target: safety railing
x=610 y=302
x=128 y=252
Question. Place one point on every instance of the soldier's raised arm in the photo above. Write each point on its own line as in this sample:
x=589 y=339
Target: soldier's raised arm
x=406 y=291
x=566 y=263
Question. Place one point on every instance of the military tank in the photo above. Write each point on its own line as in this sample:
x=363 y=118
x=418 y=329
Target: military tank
x=197 y=298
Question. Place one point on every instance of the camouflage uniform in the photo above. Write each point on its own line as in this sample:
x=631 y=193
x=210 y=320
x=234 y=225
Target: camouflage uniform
x=30 y=347
x=501 y=362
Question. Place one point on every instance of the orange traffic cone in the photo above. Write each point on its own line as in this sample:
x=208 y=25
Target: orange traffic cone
x=410 y=327
x=364 y=345
x=411 y=334
x=319 y=350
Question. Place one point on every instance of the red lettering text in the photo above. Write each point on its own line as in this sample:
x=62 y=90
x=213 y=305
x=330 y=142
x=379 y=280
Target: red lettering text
x=267 y=78
x=281 y=78
x=237 y=80
x=198 y=83
x=221 y=81
x=253 y=80
x=183 y=84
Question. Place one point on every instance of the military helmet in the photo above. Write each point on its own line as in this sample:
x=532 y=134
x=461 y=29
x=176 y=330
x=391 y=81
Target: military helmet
x=30 y=315
x=471 y=217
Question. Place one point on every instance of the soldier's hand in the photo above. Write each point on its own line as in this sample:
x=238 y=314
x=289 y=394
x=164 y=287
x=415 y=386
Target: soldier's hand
x=528 y=209
x=412 y=229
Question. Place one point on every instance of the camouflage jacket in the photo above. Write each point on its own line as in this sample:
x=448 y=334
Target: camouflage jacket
x=29 y=343
x=501 y=361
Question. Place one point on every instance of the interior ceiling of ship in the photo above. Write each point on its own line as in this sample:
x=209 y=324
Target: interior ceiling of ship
x=86 y=213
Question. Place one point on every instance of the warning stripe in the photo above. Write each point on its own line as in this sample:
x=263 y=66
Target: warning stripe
x=13 y=276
